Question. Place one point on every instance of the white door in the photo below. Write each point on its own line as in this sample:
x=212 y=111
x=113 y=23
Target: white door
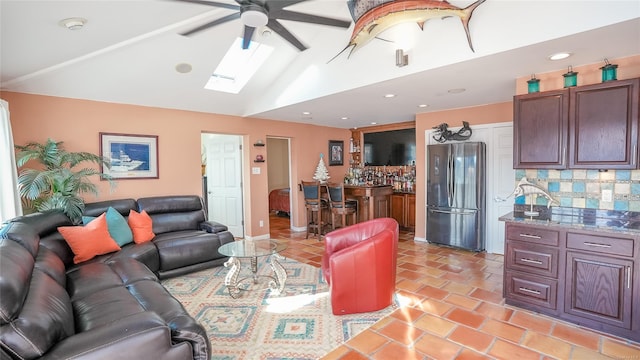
x=499 y=177
x=224 y=180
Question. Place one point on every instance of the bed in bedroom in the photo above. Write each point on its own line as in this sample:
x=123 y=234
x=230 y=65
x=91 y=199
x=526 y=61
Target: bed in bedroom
x=279 y=201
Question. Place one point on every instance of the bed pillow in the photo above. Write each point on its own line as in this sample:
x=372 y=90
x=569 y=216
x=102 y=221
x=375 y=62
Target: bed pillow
x=117 y=225
x=90 y=240
x=141 y=226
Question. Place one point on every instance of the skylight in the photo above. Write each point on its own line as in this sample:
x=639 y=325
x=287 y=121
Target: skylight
x=238 y=66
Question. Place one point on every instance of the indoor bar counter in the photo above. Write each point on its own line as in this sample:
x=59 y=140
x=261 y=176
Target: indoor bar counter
x=373 y=201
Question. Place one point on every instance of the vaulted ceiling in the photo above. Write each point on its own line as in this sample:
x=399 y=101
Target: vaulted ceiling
x=128 y=51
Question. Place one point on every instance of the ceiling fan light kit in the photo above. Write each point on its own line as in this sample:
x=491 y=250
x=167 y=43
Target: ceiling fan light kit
x=254 y=16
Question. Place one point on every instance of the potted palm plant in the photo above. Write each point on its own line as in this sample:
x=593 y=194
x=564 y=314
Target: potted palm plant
x=57 y=183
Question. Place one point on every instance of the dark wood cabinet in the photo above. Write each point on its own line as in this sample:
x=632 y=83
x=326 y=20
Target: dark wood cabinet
x=540 y=123
x=585 y=127
x=603 y=125
x=590 y=278
x=403 y=209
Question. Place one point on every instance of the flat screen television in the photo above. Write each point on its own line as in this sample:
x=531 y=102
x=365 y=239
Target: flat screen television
x=391 y=148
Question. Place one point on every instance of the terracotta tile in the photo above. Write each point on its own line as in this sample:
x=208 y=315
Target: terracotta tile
x=494 y=311
x=462 y=301
x=408 y=285
x=547 y=345
x=471 y=338
x=434 y=281
x=407 y=314
x=576 y=336
x=401 y=332
x=407 y=298
x=508 y=351
x=580 y=353
x=337 y=353
x=531 y=322
x=409 y=266
x=455 y=277
x=458 y=288
x=382 y=323
x=466 y=317
x=468 y=354
x=503 y=330
x=433 y=292
x=408 y=274
x=397 y=351
x=354 y=355
x=490 y=296
x=437 y=348
x=619 y=350
x=367 y=341
x=435 y=307
x=435 y=325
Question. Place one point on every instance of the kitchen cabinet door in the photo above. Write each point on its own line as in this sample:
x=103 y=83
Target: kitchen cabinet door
x=603 y=125
x=598 y=289
x=540 y=123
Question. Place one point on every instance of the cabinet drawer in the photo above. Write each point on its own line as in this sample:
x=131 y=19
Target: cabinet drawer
x=534 y=259
x=531 y=289
x=600 y=244
x=532 y=235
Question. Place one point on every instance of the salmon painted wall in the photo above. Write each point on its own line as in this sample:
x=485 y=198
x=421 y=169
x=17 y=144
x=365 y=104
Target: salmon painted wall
x=78 y=123
x=628 y=68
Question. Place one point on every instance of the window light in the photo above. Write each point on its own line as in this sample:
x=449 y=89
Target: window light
x=238 y=66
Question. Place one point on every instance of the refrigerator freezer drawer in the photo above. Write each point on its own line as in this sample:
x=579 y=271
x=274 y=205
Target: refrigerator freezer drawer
x=455 y=227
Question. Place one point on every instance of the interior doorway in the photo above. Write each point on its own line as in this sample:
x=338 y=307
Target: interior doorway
x=279 y=179
x=223 y=180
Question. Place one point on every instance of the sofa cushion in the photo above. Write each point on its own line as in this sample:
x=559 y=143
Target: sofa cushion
x=173 y=213
x=141 y=225
x=183 y=248
x=88 y=241
x=116 y=223
x=123 y=206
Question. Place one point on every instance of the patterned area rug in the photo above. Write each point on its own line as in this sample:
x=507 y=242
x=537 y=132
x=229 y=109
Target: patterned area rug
x=297 y=324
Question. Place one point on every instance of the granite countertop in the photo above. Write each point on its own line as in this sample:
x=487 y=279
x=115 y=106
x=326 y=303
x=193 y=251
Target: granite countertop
x=626 y=222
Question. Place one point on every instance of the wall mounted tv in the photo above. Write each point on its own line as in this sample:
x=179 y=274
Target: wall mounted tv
x=391 y=148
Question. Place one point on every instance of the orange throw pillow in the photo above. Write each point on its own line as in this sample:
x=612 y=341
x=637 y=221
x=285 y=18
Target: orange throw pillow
x=90 y=240
x=141 y=226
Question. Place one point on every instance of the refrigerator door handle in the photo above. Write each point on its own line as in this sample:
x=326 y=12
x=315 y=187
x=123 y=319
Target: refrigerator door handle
x=463 y=212
x=449 y=182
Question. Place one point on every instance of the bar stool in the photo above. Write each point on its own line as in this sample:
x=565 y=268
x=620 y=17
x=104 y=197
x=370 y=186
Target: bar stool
x=315 y=205
x=341 y=206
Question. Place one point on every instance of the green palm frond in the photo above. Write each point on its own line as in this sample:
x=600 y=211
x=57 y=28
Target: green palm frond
x=57 y=185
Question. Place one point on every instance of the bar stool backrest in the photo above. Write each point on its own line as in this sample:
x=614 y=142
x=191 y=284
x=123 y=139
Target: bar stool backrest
x=311 y=190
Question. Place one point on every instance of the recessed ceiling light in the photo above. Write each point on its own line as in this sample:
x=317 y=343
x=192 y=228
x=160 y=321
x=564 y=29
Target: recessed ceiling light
x=306 y=113
x=389 y=95
x=183 y=68
x=559 y=56
x=423 y=105
x=373 y=123
x=74 y=23
x=456 y=91
x=344 y=118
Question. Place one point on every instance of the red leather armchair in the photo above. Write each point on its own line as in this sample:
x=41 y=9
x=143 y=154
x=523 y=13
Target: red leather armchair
x=359 y=264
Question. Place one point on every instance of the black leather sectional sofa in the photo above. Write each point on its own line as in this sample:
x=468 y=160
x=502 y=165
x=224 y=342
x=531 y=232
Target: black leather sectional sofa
x=112 y=306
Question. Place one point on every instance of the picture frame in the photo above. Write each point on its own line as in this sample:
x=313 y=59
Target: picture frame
x=131 y=156
x=336 y=152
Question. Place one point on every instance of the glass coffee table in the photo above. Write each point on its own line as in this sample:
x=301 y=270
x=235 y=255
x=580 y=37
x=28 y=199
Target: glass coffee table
x=252 y=250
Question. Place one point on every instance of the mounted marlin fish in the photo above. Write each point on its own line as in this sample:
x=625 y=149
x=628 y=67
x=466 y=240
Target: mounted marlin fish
x=373 y=17
x=524 y=187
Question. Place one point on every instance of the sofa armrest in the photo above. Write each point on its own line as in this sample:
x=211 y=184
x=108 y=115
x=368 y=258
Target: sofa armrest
x=213 y=227
x=140 y=336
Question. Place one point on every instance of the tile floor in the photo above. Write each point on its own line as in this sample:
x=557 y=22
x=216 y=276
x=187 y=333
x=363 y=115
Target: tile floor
x=455 y=310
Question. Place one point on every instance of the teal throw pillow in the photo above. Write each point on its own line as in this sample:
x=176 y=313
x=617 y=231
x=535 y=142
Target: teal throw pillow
x=118 y=227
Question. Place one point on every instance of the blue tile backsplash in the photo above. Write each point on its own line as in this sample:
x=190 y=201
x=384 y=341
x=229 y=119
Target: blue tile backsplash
x=583 y=188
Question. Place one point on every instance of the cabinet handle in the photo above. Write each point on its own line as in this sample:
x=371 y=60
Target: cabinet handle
x=531 y=261
x=530 y=236
x=633 y=155
x=628 y=277
x=597 y=245
x=536 y=292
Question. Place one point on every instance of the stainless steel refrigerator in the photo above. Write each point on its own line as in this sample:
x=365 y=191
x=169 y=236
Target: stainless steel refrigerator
x=456 y=195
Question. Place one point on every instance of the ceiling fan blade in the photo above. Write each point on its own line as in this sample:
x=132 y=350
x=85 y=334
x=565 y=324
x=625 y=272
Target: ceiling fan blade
x=308 y=18
x=248 y=34
x=213 y=23
x=213 y=3
x=274 y=25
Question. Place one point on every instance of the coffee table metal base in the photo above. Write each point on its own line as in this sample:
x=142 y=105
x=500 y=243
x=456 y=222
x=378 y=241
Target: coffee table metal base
x=235 y=284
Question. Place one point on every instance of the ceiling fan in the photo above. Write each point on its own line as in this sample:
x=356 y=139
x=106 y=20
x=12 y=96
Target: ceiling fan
x=257 y=13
